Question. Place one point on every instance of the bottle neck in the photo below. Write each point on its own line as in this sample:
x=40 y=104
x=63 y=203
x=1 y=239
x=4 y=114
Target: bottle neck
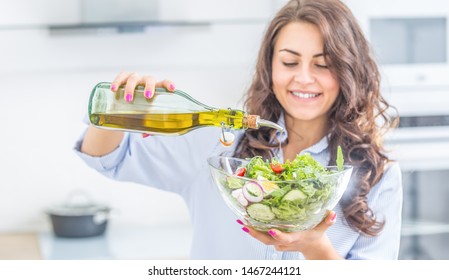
x=251 y=121
x=255 y=122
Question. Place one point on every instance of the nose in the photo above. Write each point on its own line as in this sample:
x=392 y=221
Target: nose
x=304 y=75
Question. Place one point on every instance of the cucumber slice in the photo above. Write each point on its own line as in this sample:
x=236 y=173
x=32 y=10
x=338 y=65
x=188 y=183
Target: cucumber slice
x=295 y=195
x=260 y=212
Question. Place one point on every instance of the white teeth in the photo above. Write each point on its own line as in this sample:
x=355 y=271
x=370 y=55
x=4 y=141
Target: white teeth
x=304 y=95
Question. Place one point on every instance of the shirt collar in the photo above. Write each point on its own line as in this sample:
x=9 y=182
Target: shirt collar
x=282 y=135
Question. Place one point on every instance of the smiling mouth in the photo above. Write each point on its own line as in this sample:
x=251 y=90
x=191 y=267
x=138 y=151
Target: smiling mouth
x=305 y=95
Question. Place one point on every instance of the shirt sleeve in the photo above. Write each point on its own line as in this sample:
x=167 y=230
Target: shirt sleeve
x=385 y=199
x=166 y=162
x=104 y=164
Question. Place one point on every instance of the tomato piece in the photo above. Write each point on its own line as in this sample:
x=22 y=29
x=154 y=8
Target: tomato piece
x=240 y=171
x=277 y=168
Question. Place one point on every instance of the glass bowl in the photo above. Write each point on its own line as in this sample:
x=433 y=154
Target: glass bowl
x=285 y=205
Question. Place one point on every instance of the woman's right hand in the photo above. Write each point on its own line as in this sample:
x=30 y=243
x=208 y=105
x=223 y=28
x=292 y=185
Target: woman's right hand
x=132 y=79
x=100 y=142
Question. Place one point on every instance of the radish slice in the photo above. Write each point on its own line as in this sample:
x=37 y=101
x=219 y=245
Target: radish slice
x=253 y=192
x=238 y=195
x=242 y=200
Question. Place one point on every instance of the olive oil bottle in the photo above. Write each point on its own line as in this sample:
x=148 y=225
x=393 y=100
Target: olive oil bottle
x=166 y=113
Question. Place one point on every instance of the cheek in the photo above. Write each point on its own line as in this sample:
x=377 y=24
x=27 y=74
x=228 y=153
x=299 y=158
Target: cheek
x=275 y=83
x=332 y=86
x=279 y=78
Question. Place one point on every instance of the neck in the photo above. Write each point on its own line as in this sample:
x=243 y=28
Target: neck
x=303 y=134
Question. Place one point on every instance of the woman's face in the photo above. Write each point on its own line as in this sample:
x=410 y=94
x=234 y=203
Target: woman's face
x=302 y=81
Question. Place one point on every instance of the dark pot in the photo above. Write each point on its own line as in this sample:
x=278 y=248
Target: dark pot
x=79 y=220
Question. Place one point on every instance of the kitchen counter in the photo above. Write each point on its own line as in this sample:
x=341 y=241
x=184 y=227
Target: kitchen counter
x=118 y=243
x=19 y=246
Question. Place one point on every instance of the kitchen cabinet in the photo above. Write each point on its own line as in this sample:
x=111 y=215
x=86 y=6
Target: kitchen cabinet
x=425 y=231
x=175 y=10
x=423 y=153
x=88 y=13
x=38 y=13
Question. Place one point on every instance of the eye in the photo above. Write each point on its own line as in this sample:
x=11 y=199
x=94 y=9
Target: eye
x=324 y=66
x=290 y=64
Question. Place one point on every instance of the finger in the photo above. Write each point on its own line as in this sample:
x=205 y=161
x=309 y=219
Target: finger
x=282 y=237
x=327 y=222
x=261 y=236
x=150 y=86
x=240 y=222
x=169 y=85
x=119 y=80
x=131 y=83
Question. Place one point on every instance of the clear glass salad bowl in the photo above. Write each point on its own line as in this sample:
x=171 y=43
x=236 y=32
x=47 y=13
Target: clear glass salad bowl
x=287 y=205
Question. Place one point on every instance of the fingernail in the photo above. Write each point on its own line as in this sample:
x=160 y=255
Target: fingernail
x=129 y=97
x=333 y=217
x=148 y=93
x=145 y=135
x=245 y=229
x=271 y=232
x=172 y=87
x=113 y=87
x=240 y=222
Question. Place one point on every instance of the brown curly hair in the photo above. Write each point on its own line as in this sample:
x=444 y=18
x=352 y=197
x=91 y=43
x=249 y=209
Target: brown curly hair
x=357 y=120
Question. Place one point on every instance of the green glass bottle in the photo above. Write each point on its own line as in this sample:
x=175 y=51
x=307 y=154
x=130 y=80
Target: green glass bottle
x=166 y=113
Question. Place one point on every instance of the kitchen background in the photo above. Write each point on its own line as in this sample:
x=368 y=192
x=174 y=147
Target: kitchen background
x=53 y=53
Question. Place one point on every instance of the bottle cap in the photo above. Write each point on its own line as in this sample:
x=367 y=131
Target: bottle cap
x=252 y=121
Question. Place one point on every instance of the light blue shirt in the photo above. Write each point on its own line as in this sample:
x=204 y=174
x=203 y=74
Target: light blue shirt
x=178 y=164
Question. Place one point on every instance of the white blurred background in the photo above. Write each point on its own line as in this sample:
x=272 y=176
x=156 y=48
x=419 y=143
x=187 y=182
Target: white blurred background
x=52 y=54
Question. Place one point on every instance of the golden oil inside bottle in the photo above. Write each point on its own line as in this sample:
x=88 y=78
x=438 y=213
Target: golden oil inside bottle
x=169 y=123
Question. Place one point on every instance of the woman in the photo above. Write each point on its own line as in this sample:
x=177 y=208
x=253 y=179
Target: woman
x=315 y=77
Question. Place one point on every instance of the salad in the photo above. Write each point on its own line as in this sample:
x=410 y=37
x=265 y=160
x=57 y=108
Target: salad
x=289 y=191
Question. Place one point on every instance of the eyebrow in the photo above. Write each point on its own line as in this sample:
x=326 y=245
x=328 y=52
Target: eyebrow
x=298 y=54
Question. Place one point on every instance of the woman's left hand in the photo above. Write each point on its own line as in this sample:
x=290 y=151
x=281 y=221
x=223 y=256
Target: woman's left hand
x=313 y=243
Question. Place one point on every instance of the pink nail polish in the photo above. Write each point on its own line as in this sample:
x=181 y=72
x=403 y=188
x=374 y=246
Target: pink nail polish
x=245 y=229
x=334 y=217
x=113 y=87
x=172 y=87
x=148 y=94
x=271 y=232
x=240 y=222
x=129 y=97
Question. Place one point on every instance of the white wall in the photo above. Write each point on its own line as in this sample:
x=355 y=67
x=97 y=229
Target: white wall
x=45 y=83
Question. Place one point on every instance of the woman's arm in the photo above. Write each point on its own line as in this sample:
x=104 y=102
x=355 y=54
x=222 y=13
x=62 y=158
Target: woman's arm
x=100 y=142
